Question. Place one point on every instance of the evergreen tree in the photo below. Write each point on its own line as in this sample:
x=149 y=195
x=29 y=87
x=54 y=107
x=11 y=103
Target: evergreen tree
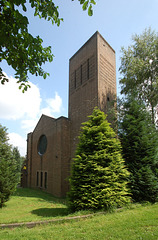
x=99 y=177
x=139 y=140
x=19 y=161
x=8 y=175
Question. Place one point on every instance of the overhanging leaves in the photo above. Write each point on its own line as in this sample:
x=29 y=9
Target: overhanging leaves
x=23 y=52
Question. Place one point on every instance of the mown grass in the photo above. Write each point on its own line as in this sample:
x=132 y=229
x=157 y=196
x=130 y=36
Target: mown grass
x=138 y=222
x=28 y=205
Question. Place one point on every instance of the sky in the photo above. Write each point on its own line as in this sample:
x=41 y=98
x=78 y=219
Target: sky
x=116 y=21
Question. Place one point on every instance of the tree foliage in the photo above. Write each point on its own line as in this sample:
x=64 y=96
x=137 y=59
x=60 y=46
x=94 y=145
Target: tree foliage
x=99 y=176
x=8 y=168
x=19 y=161
x=139 y=139
x=23 y=52
x=139 y=69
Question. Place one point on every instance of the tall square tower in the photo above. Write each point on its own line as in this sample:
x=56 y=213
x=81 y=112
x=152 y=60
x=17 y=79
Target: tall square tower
x=92 y=82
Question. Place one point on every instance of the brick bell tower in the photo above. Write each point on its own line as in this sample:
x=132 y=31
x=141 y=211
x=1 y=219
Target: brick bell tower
x=92 y=82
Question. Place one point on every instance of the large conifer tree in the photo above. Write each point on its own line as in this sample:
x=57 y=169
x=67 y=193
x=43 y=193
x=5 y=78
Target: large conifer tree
x=99 y=176
x=8 y=166
x=139 y=140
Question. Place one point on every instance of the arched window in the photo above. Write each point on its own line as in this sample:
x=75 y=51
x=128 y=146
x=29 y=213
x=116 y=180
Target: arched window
x=42 y=145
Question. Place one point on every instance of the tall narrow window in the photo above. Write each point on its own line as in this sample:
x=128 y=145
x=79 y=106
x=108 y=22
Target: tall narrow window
x=45 y=180
x=75 y=80
x=42 y=145
x=37 y=179
x=88 y=68
x=41 y=183
x=81 y=74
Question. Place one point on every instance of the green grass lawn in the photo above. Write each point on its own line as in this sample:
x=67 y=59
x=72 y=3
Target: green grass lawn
x=28 y=205
x=138 y=222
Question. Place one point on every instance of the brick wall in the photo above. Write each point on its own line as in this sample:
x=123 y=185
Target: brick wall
x=54 y=163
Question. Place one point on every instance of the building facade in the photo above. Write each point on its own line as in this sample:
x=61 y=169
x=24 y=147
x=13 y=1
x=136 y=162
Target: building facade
x=51 y=146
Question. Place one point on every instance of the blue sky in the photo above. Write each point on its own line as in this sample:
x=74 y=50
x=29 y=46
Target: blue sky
x=116 y=20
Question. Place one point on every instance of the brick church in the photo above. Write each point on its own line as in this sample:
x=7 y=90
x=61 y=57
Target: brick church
x=51 y=146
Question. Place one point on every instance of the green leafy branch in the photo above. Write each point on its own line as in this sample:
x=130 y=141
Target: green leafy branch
x=23 y=52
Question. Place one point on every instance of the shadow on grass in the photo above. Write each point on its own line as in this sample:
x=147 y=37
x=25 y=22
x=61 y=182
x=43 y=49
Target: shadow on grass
x=51 y=212
x=37 y=193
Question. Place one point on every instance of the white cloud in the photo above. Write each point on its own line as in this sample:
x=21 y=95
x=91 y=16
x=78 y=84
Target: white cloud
x=55 y=104
x=15 y=105
x=29 y=124
x=26 y=108
x=46 y=111
x=17 y=141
